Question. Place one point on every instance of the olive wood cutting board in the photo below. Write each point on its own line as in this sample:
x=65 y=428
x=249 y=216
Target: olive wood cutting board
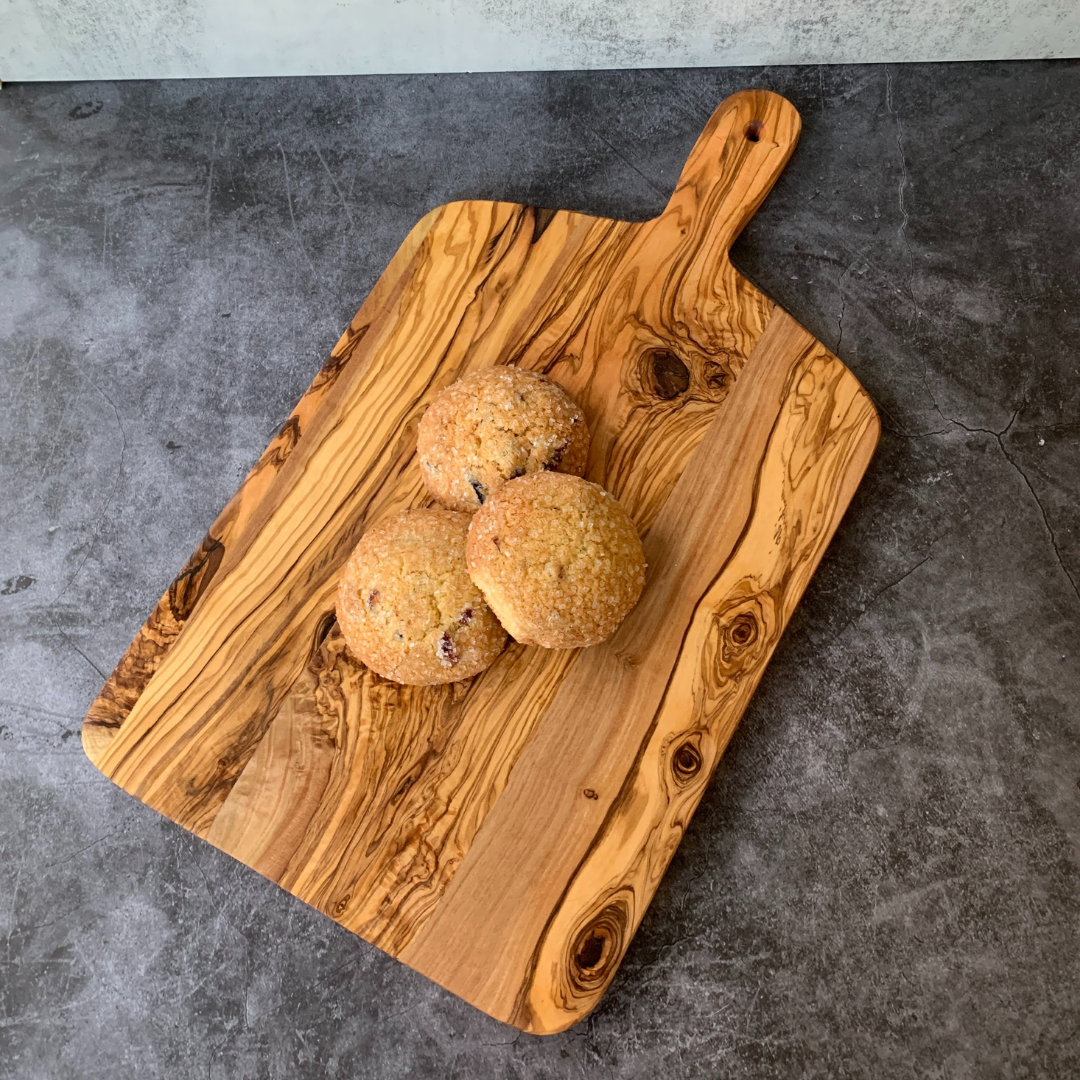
x=504 y=835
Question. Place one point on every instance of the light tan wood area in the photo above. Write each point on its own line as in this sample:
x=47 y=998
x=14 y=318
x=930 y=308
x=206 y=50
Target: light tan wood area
x=504 y=835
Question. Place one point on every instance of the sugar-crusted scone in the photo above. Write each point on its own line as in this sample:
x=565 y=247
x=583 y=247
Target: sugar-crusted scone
x=558 y=560
x=494 y=425
x=407 y=607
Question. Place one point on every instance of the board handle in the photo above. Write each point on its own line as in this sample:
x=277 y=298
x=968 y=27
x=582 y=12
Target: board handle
x=735 y=162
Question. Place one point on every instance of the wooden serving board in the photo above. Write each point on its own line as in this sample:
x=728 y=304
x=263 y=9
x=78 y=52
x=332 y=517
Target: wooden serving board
x=504 y=835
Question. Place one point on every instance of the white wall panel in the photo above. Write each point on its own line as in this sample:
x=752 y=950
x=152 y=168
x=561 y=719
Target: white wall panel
x=105 y=39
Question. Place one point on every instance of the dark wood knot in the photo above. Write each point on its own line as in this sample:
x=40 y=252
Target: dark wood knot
x=667 y=373
x=341 y=905
x=742 y=632
x=599 y=946
x=716 y=375
x=686 y=761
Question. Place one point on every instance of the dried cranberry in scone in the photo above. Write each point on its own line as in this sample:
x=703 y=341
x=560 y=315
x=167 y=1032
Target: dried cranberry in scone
x=407 y=607
x=494 y=425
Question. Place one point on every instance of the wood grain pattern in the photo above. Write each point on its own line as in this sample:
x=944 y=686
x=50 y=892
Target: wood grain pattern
x=480 y=831
x=156 y=635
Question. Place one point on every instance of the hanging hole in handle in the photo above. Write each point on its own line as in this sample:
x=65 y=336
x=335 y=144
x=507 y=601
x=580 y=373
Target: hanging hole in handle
x=752 y=131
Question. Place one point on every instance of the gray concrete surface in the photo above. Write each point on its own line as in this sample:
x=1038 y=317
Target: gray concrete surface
x=164 y=39
x=884 y=877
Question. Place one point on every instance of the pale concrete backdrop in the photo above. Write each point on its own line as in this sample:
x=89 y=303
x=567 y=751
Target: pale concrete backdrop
x=143 y=39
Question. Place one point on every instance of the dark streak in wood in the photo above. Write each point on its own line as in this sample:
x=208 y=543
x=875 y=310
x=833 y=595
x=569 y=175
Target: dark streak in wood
x=541 y=220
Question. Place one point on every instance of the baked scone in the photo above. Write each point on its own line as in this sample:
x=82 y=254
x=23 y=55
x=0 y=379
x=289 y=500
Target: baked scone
x=407 y=607
x=558 y=560
x=493 y=425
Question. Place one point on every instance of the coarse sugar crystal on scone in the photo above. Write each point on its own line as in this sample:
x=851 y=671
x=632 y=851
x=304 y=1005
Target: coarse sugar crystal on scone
x=407 y=607
x=496 y=424
x=558 y=560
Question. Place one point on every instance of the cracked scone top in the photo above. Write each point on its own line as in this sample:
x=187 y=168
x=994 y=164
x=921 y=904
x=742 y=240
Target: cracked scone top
x=558 y=560
x=493 y=425
x=407 y=607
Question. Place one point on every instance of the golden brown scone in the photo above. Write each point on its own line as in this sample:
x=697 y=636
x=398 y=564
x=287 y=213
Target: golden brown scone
x=406 y=605
x=558 y=560
x=493 y=425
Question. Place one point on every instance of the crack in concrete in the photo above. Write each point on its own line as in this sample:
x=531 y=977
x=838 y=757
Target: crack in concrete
x=665 y=195
x=292 y=216
x=344 y=204
x=86 y=847
x=214 y=1051
x=843 y=308
x=218 y=905
x=1042 y=512
x=843 y=298
x=916 y=434
x=999 y=438
x=75 y=648
x=891 y=585
x=903 y=185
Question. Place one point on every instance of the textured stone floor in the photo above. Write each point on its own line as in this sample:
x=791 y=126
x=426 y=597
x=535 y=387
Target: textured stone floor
x=884 y=877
